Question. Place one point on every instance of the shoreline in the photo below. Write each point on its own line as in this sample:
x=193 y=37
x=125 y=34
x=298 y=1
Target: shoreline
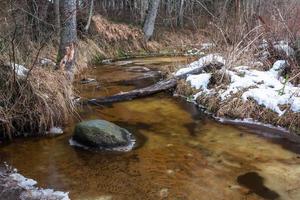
x=15 y=186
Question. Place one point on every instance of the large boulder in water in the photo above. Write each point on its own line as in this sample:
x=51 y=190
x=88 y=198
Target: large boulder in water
x=101 y=134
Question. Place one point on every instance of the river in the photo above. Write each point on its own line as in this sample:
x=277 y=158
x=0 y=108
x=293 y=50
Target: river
x=181 y=153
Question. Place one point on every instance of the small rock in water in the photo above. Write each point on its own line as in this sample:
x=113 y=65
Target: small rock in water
x=104 y=135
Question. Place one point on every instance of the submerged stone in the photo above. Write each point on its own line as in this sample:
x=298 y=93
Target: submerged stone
x=255 y=183
x=101 y=134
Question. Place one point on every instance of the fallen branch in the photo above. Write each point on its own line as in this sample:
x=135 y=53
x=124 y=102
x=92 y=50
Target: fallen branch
x=138 y=93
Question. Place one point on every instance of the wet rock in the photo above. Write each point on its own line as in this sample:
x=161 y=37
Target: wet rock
x=255 y=183
x=101 y=134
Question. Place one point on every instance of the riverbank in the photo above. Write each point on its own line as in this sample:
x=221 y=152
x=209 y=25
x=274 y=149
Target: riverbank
x=250 y=91
x=42 y=99
x=15 y=186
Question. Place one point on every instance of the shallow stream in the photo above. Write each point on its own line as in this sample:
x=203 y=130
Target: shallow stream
x=180 y=154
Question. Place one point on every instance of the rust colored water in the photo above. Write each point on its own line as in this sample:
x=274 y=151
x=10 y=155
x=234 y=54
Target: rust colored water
x=180 y=153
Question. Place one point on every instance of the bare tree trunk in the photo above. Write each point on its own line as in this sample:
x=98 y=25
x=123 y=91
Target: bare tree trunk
x=91 y=10
x=68 y=37
x=150 y=19
x=143 y=11
x=57 y=14
x=180 y=14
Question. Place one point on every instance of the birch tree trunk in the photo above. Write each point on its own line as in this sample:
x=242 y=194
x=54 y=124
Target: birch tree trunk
x=68 y=37
x=150 y=19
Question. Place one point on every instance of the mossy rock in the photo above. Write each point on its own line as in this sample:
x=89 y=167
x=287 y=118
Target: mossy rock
x=101 y=134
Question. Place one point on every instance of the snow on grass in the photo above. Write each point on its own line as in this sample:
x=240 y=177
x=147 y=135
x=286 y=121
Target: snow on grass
x=35 y=192
x=200 y=81
x=20 y=70
x=210 y=58
x=207 y=46
x=284 y=46
x=55 y=131
x=267 y=88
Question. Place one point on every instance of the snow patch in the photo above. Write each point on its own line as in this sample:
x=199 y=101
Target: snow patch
x=35 y=192
x=200 y=81
x=55 y=131
x=266 y=88
x=20 y=70
x=207 y=46
x=284 y=46
x=194 y=52
x=211 y=58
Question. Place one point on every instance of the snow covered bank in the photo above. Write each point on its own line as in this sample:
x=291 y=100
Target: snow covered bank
x=253 y=91
x=15 y=186
x=211 y=58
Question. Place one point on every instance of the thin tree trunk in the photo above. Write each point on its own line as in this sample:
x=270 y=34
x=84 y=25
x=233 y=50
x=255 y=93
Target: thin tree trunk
x=143 y=11
x=150 y=19
x=68 y=37
x=91 y=10
x=180 y=14
x=57 y=15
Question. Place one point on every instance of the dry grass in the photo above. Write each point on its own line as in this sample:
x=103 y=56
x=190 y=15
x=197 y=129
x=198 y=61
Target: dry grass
x=184 y=89
x=33 y=106
x=235 y=108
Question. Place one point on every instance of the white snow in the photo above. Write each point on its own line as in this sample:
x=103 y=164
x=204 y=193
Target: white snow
x=207 y=46
x=35 y=192
x=20 y=70
x=266 y=88
x=200 y=81
x=22 y=181
x=55 y=131
x=210 y=58
x=194 y=52
x=284 y=46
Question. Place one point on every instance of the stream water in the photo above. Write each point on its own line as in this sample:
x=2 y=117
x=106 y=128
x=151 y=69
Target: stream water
x=180 y=153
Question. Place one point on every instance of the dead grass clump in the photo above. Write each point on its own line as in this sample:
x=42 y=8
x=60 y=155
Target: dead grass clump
x=115 y=38
x=219 y=79
x=183 y=88
x=210 y=102
x=35 y=104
